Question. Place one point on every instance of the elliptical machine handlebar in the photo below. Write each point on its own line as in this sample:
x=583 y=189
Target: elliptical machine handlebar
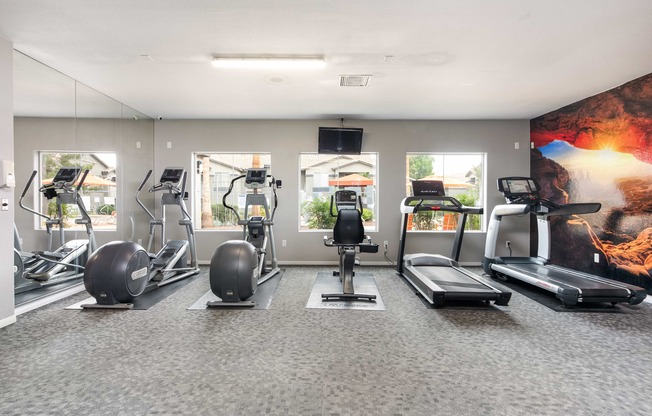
x=140 y=188
x=235 y=211
x=273 y=184
x=81 y=181
x=22 y=196
x=182 y=194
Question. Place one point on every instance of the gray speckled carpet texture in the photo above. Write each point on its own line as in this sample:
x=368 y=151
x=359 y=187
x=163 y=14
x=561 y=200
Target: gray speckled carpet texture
x=521 y=359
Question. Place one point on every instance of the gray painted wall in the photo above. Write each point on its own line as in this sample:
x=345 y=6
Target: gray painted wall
x=6 y=153
x=285 y=139
x=79 y=135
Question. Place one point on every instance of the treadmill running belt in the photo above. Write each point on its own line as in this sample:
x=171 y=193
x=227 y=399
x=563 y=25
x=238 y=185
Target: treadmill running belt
x=451 y=285
x=589 y=288
x=450 y=279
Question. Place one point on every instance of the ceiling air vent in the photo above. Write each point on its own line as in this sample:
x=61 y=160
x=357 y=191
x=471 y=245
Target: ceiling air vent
x=354 y=80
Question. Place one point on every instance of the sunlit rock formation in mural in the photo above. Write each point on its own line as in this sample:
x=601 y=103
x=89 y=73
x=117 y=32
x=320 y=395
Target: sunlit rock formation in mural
x=619 y=119
x=580 y=242
x=600 y=150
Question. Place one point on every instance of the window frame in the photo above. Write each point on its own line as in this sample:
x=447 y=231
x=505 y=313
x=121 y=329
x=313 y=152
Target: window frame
x=482 y=189
x=301 y=199
x=108 y=222
x=196 y=187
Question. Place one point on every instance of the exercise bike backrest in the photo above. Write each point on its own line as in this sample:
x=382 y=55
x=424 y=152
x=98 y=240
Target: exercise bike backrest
x=348 y=228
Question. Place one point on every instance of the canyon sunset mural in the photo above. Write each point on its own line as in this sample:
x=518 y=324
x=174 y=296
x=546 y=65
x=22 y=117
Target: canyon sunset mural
x=600 y=150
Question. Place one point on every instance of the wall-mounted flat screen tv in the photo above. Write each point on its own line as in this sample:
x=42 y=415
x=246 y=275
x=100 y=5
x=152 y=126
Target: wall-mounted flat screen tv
x=340 y=140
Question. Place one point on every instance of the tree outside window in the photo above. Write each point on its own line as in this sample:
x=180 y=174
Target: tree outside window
x=462 y=175
x=323 y=174
x=98 y=191
x=214 y=172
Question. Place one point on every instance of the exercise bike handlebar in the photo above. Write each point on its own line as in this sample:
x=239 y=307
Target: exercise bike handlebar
x=358 y=203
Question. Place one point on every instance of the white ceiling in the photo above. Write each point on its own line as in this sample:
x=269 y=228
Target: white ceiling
x=429 y=59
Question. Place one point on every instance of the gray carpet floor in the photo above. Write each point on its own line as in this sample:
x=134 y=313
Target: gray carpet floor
x=523 y=359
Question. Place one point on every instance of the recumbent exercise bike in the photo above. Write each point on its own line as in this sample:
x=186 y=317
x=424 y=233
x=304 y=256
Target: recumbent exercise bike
x=348 y=237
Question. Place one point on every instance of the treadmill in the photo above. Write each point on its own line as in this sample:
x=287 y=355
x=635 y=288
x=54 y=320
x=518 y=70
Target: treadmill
x=439 y=278
x=570 y=286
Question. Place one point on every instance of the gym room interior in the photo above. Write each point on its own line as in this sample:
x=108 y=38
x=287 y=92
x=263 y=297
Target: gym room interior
x=147 y=99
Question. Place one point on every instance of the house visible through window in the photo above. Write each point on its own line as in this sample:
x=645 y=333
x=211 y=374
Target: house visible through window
x=98 y=192
x=463 y=178
x=213 y=176
x=323 y=174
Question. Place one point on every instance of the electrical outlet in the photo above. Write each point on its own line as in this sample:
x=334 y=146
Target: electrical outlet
x=385 y=244
x=508 y=244
x=140 y=241
x=284 y=243
x=596 y=257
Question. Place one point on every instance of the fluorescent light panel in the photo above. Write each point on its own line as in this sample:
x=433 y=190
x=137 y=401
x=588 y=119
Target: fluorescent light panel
x=271 y=62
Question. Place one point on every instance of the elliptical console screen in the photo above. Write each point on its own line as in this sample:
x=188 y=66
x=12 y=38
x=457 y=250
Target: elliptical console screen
x=67 y=175
x=172 y=175
x=256 y=178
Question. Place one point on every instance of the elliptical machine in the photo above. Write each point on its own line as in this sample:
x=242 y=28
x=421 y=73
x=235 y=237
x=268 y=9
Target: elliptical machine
x=120 y=271
x=348 y=236
x=37 y=269
x=239 y=266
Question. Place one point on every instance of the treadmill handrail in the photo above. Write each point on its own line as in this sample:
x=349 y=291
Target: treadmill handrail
x=442 y=203
x=568 y=209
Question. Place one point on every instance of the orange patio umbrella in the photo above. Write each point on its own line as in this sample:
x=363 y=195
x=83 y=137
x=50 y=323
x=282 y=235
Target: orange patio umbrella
x=353 y=179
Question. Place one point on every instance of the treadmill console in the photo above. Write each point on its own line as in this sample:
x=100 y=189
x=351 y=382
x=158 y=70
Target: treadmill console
x=519 y=189
x=171 y=176
x=256 y=178
x=428 y=188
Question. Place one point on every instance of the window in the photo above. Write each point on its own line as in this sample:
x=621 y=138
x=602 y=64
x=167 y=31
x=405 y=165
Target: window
x=213 y=177
x=98 y=193
x=322 y=175
x=462 y=174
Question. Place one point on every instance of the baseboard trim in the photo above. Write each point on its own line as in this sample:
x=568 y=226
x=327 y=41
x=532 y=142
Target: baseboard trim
x=8 y=321
x=30 y=306
x=335 y=263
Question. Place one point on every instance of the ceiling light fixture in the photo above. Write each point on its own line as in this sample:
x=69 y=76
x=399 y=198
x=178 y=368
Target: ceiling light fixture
x=269 y=62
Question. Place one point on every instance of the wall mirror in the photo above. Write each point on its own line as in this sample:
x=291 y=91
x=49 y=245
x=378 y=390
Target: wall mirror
x=58 y=122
